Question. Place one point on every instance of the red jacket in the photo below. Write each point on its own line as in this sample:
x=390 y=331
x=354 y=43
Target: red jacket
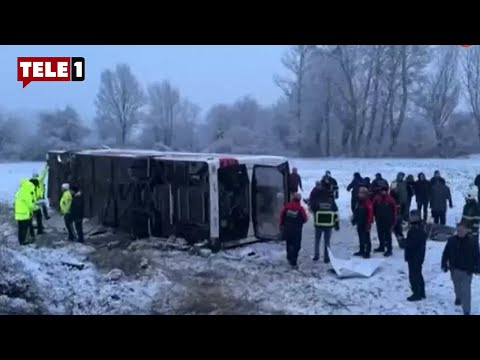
x=363 y=214
x=385 y=210
x=293 y=205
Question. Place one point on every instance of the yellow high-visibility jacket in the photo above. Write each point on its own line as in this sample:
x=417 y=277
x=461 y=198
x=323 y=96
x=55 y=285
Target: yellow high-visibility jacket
x=24 y=201
x=41 y=181
x=65 y=202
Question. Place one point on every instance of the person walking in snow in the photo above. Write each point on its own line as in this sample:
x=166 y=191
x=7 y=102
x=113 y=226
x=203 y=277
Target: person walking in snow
x=76 y=212
x=41 y=181
x=333 y=182
x=439 y=195
x=471 y=212
x=422 y=195
x=461 y=257
x=385 y=211
x=363 y=219
x=326 y=219
x=354 y=187
x=415 y=248
x=65 y=205
x=292 y=219
x=401 y=188
x=397 y=229
x=378 y=184
x=23 y=209
x=294 y=182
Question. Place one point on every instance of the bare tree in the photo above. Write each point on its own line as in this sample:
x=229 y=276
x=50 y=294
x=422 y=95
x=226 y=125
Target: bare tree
x=119 y=101
x=297 y=62
x=471 y=66
x=442 y=90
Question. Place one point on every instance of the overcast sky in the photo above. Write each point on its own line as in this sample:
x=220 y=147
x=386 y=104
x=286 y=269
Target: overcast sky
x=206 y=74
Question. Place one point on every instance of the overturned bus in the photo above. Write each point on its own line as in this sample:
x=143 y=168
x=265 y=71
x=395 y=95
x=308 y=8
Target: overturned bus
x=226 y=200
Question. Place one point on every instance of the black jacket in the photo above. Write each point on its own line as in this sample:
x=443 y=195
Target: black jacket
x=462 y=254
x=416 y=244
x=439 y=195
x=294 y=182
x=334 y=186
x=355 y=185
x=410 y=187
x=471 y=214
x=422 y=191
x=434 y=180
x=377 y=185
x=76 y=209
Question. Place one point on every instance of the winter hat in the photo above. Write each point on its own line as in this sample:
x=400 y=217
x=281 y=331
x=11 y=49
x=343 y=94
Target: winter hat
x=378 y=176
x=328 y=173
x=65 y=186
x=415 y=217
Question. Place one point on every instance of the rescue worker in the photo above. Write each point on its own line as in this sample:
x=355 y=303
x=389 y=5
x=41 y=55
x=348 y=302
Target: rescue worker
x=385 y=211
x=415 y=248
x=354 y=187
x=294 y=182
x=410 y=180
x=23 y=209
x=397 y=229
x=292 y=219
x=363 y=219
x=76 y=212
x=422 y=195
x=462 y=258
x=378 y=184
x=402 y=193
x=41 y=181
x=37 y=212
x=325 y=213
x=436 y=178
x=333 y=183
x=65 y=205
x=471 y=212
x=439 y=195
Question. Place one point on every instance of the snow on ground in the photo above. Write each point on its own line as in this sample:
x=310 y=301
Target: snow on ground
x=246 y=280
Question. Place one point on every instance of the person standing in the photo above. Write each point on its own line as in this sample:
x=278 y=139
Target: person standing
x=23 y=210
x=354 y=187
x=294 y=182
x=437 y=177
x=401 y=188
x=76 y=212
x=397 y=229
x=41 y=182
x=378 y=184
x=292 y=219
x=326 y=219
x=37 y=211
x=333 y=183
x=439 y=196
x=471 y=212
x=385 y=211
x=415 y=248
x=363 y=219
x=65 y=207
x=461 y=257
x=410 y=180
x=422 y=195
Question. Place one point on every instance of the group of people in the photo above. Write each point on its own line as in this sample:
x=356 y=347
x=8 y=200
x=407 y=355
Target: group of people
x=389 y=207
x=30 y=203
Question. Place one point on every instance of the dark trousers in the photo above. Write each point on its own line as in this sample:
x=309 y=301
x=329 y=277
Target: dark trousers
x=353 y=203
x=293 y=244
x=416 y=278
x=23 y=226
x=439 y=217
x=404 y=211
x=45 y=210
x=398 y=231
x=423 y=205
x=327 y=234
x=39 y=220
x=364 y=240
x=79 y=230
x=384 y=236
x=69 y=225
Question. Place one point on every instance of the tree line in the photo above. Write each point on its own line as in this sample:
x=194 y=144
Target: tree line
x=344 y=100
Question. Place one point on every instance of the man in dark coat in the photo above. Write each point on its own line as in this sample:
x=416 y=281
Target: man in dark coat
x=378 y=184
x=410 y=180
x=422 y=195
x=326 y=219
x=333 y=183
x=292 y=219
x=415 y=247
x=363 y=219
x=354 y=187
x=385 y=211
x=401 y=188
x=439 y=195
x=471 y=212
x=294 y=182
x=436 y=178
x=397 y=229
x=76 y=212
x=314 y=194
x=462 y=257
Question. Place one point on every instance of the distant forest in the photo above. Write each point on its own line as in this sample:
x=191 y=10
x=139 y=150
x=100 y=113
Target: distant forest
x=342 y=100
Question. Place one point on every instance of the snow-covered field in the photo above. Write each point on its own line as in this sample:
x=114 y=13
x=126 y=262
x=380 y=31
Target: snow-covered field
x=252 y=279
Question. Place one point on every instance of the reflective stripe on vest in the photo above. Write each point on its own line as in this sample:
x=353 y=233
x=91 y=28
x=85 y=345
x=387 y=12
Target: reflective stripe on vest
x=326 y=223
x=471 y=217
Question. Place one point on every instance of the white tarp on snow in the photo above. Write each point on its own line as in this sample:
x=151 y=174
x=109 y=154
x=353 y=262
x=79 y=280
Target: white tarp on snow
x=354 y=267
